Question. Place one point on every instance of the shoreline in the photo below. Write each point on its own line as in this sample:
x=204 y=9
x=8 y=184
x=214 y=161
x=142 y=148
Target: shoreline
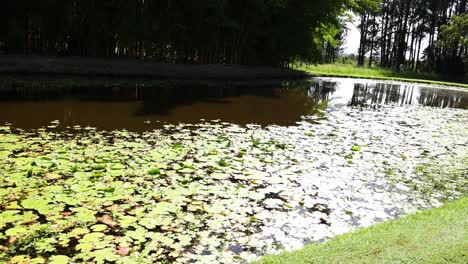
x=133 y=68
x=395 y=79
x=22 y=68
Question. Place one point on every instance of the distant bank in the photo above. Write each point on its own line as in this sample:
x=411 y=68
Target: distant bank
x=351 y=70
x=117 y=67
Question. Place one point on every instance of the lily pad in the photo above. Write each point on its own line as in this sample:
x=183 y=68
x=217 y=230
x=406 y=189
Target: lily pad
x=16 y=231
x=59 y=259
x=356 y=148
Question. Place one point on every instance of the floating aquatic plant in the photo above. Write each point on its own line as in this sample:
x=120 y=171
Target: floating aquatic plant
x=215 y=192
x=125 y=197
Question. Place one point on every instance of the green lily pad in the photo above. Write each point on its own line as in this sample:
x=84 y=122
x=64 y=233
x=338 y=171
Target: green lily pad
x=99 y=228
x=59 y=259
x=154 y=172
x=356 y=148
x=220 y=176
x=118 y=167
x=35 y=203
x=16 y=231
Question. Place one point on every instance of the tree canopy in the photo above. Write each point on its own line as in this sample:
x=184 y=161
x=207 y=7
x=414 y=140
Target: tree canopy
x=272 y=32
x=454 y=35
x=395 y=33
x=417 y=35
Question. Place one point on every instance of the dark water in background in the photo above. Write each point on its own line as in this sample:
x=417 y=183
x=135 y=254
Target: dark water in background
x=141 y=108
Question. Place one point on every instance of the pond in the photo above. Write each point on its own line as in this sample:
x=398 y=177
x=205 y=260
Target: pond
x=219 y=174
x=141 y=107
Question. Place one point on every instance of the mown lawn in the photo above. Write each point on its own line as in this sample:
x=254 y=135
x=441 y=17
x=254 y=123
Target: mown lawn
x=351 y=70
x=435 y=236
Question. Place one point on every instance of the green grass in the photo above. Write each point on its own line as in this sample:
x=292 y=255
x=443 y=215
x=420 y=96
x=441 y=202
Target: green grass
x=352 y=70
x=434 y=236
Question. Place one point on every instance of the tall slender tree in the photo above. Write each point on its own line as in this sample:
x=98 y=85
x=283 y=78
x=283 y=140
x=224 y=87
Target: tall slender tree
x=402 y=28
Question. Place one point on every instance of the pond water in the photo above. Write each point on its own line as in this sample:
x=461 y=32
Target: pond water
x=146 y=107
x=327 y=156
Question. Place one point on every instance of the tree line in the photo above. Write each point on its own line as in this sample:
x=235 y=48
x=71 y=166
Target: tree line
x=270 y=32
x=417 y=35
x=414 y=35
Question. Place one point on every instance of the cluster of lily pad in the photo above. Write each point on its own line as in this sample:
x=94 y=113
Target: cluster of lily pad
x=128 y=197
x=218 y=192
x=364 y=166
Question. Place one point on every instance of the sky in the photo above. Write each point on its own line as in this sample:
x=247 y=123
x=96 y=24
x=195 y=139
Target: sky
x=351 y=45
x=352 y=40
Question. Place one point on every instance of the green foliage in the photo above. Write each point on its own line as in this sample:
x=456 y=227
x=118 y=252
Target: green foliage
x=394 y=34
x=455 y=33
x=359 y=6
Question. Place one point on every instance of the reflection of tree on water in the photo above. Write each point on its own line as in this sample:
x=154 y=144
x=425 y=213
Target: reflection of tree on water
x=322 y=90
x=319 y=95
x=375 y=95
x=442 y=98
x=280 y=103
x=382 y=94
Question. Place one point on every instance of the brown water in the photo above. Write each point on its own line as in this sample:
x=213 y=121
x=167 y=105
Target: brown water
x=141 y=108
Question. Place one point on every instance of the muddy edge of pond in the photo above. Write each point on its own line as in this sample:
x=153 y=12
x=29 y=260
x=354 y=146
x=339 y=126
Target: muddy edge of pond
x=118 y=67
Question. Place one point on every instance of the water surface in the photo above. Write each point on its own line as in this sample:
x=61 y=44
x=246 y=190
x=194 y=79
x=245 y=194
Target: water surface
x=141 y=107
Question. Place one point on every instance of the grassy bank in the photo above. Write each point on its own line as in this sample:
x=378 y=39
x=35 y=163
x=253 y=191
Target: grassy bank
x=351 y=70
x=436 y=236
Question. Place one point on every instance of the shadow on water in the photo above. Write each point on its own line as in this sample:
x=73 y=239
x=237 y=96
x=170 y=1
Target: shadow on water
x=146 y=107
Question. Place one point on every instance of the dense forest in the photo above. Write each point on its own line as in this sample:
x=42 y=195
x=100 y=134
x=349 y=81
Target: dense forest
x=271 y=32
x=417 y=35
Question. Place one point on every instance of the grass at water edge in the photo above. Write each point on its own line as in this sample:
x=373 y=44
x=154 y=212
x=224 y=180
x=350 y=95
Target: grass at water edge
x=351 y=71
x=435 y=236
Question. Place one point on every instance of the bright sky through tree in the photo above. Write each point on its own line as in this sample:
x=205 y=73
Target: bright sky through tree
x=351 y=45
